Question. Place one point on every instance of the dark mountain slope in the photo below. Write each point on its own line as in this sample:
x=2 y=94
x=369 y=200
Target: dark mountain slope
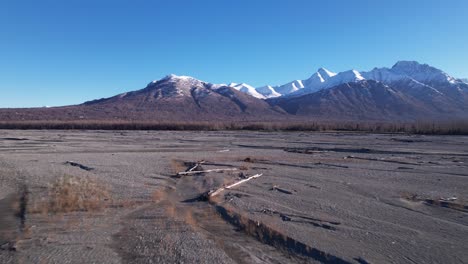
x=364 y=100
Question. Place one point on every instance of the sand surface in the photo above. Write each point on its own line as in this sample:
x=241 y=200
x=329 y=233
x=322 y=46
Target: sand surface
x=322 y=197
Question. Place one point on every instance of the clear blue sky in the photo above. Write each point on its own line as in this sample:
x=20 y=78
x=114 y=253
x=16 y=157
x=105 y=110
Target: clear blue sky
x=69 y=51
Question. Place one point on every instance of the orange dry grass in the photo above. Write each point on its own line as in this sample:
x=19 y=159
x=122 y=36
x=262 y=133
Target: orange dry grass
x=178 y=166
x=70 y=193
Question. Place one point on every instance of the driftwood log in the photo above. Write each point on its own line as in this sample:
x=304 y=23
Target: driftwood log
x=212 y=170
x=214 y=193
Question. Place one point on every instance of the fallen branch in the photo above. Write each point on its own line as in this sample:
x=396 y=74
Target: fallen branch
x=234 y=184
x=81 y=166
x=196 y=165
x=196 y=172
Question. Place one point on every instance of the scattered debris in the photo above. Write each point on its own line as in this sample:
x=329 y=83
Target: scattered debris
x=449 y=199
x=15 y=139
x=276 y=188
x=313 y=186
x=248 y=159
x=231 y=196
x=285 y=217
x=313 y=150
x=332 y=165
x=196 y=166
x=404 y=168
x=242 y=175
x=81 y=166
x=381 y=160
x=449 y=202
x=404 y=140
x=302 y=219
x=8 y=246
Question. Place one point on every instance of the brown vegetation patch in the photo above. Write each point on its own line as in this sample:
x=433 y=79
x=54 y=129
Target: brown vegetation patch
x=71 y=193
x=178 y=166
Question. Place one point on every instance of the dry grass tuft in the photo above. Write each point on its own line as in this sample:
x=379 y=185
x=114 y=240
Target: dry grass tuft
x=244 y=167
x=69 y=193
x=178 y=166
x=159 y=195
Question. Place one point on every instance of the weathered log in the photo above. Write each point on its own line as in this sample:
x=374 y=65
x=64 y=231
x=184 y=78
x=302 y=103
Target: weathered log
x=212 y=170
x=196 y=165
x=234 y=184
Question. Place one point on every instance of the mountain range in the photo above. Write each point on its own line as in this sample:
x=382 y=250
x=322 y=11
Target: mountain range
x=408 y=91
x=410 y=71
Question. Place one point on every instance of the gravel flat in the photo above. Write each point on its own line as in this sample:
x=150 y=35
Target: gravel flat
x=321 y=198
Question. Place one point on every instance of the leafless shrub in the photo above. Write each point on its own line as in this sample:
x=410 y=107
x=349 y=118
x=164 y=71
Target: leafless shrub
x=70 y=193
x=244 y=167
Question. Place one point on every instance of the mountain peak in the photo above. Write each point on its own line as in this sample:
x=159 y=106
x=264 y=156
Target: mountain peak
x=406 y=64
x=177 y=77
x=248 y=89
x=422 y=72
x=325 y=73
x=351 y=75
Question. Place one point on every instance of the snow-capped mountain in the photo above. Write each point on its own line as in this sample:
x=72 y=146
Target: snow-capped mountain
x=421 y=72
x=407 y=91
x=268 y=91
x=321 y=79
x=290 y=87
x=312 y=84
x=318 y=79
x=465 y=80
x=402 y=71
x=245 y=88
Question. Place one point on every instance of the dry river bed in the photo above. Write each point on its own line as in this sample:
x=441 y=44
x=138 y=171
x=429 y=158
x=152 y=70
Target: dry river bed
x=115 y=197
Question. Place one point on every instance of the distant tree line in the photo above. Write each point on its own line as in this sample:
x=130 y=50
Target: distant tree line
x=422 y=127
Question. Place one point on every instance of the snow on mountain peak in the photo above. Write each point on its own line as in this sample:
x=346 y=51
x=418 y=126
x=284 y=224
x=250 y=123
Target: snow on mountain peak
x=421 y=72
x=245 y=88
x=173 y=77
x=268 y=91
x=412 y=71
x=325 y=74
x=348 y=76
